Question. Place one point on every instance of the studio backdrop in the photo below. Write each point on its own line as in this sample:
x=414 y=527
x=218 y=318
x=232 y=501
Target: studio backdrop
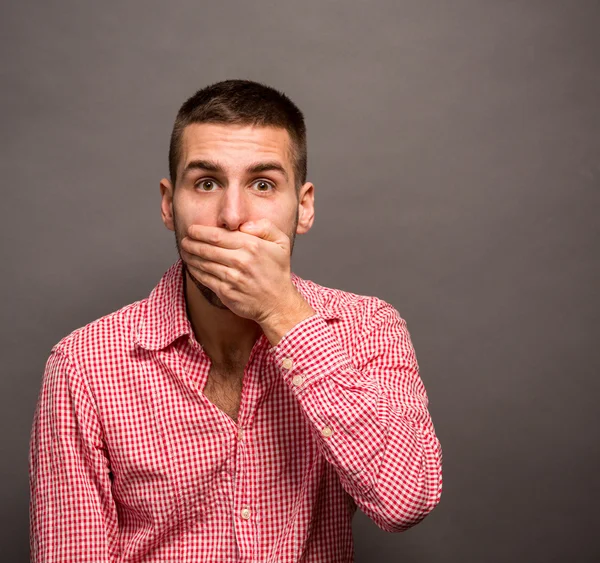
x=455 y=152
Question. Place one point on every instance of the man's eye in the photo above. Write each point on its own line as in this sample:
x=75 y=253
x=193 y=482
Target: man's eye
x=208 y=184
x=263 y=186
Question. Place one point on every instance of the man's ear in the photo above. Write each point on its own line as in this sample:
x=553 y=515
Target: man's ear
x=166 y=203
x=306 y=208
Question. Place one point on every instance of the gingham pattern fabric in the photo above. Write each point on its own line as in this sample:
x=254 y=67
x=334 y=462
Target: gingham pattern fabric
x=130 y=462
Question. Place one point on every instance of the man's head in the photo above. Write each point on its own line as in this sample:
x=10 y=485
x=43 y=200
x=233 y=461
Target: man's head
x=237 y=154
x=242 y=102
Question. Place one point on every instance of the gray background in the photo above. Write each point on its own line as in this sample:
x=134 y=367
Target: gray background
x=455 y=149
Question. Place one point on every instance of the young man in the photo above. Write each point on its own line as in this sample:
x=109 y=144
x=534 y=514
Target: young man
x=240 y=412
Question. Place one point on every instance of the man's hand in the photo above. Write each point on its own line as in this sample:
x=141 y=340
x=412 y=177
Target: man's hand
x=249 y=270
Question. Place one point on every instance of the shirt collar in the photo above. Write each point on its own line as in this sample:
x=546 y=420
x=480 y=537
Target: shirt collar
x=164 y=317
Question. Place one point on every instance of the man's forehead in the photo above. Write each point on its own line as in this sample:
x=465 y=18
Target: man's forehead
x=217 y=137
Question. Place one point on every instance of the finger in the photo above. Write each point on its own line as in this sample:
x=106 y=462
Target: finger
x=205 y=277
x=221 y=273
x=217 y=236
x=208 y=252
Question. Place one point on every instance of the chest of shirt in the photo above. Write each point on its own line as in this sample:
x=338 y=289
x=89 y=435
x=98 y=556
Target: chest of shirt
x=173 y=450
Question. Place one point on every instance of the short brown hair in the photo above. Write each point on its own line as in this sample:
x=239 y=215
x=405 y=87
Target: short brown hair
x=242 y=102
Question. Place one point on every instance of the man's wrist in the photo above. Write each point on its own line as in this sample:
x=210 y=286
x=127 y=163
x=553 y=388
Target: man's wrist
x=280 y=322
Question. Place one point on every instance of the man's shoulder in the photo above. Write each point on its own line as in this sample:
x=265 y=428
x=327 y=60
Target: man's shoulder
x=345 y=305
x=113 y=331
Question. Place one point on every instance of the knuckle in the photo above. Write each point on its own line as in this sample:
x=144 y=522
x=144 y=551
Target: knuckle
x=239 y=264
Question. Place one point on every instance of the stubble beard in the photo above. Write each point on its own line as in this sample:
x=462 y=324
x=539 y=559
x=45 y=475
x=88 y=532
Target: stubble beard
x=210 y=296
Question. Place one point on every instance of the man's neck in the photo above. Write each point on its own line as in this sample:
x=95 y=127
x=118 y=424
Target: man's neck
x=226 y=337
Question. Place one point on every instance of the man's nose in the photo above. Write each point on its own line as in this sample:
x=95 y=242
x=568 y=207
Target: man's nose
x=233 y=207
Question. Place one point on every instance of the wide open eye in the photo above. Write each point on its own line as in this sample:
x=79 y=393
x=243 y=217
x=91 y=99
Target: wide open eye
x=206 y=183
x=263 y=186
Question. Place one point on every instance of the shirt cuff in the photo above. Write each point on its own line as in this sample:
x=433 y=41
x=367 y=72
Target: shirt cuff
x=308 y=353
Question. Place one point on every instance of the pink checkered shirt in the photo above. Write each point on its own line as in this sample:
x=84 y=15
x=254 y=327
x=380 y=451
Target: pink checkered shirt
x=130 y=462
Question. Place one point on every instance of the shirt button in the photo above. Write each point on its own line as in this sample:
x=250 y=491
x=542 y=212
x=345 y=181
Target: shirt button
x=297 y=380
x=240 y=434
x=327 y=432
x=245 y=513
x=287 y=363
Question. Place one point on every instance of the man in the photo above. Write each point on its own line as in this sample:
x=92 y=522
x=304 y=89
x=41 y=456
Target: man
x=240 y=412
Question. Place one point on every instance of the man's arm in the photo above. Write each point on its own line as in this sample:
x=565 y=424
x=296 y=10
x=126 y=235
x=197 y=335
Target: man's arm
x=72 y=512
x=369 y=415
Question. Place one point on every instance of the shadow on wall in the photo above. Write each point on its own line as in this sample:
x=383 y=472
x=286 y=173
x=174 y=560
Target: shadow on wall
x=15 y=517
x=374 y=545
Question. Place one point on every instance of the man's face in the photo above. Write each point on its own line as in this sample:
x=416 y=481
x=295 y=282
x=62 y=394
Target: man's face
x=228 y=175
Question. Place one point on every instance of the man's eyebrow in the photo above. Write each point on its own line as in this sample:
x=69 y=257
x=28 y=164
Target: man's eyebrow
x=266 y=166
x=212 y=166
x=209 y=165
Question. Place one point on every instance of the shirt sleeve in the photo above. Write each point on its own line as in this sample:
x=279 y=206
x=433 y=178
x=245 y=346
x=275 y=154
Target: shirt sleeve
x=369 y=413
x=71 y=509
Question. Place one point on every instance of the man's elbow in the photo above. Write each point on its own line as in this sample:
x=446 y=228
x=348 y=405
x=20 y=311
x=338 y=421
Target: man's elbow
x=410 y=508
x=401 y=520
